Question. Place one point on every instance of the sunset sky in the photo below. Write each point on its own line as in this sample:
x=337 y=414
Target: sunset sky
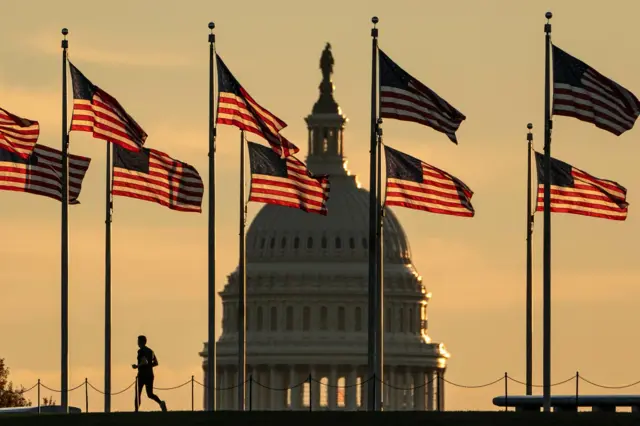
x=485 y=58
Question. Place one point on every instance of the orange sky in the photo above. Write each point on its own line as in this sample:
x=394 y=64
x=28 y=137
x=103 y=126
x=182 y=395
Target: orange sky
x=486 y=58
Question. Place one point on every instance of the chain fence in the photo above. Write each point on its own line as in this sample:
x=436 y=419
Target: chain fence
x=320 y=395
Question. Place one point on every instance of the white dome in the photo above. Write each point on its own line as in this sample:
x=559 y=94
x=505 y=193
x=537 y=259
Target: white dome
x=282 y=234
x=307 y=287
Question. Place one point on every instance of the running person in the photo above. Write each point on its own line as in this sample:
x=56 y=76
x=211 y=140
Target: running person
x=146 y=361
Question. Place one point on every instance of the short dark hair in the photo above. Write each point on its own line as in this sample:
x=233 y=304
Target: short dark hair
x=143 y=339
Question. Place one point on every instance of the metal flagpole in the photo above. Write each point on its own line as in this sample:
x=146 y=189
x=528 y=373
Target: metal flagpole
x=373 y=332
x=210 y=390
x=529 y=320
x=64 y=237
x=546 y=350
x=380 y=276
x=242 y=286
x=107 y=283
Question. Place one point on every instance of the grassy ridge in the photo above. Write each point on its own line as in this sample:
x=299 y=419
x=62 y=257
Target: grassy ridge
x=256 y=418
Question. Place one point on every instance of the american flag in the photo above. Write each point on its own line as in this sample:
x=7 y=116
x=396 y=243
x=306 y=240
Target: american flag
x=577 y=192
x=417 y=185
x=402 y=97
x=581 y=92
x=41 y=173
x=237 y=108
x=97 y=112
x=18 y=134
x=151 y=175
x=285 y=181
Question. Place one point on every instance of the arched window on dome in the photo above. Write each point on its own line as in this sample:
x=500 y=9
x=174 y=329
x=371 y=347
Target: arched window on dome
x=283 y=242
x=263 y=241
x=324 y=318
x=341 y=318
x=259 y=319
x=324 y=242
x=309 y=243
x=289 y=319
x=306 y=318
x=272 y=244
x=296 y=243
x=274 y=319
x=352 y=243
x=338 y=243
x=401 y=319
x=358 y=318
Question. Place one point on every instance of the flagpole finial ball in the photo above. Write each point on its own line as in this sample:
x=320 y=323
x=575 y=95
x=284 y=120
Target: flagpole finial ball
x=211 y=25
x=65 y=31
x=529 y=126
x=374 y=20
x=548 y=15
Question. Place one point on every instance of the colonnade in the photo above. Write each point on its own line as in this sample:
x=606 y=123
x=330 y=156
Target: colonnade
x=334 y=387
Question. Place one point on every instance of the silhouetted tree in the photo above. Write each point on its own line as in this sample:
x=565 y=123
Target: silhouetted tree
x=10 y=397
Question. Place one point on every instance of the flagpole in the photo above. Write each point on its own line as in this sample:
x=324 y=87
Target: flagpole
x=107 y=284
x=210 y=390
x=546 y=355
x=242 y=286
x=380 y=275
x=529 y=320
x=64 y=237
x=373 y=332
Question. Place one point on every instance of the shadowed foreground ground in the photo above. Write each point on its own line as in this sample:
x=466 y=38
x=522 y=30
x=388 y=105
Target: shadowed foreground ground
x=256 y=418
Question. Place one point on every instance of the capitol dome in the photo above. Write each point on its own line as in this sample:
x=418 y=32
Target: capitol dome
x=307 y=283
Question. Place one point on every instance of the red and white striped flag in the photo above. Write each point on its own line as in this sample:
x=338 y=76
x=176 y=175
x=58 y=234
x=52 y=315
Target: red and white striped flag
x=414 y=184
x=151 y=175
x=577 y=192
x=581 y=92
x=41 y=173
x=237 y=108
x=99 y=113
x=285 y=181
x=18 y=134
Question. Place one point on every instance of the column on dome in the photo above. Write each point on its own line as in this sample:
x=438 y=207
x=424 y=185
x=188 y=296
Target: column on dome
x=296 y=394
x=233 y=384
x=205 y=380
x=408 y=393
x=224 y=397
x=364 y=389
x=218 y=385
x=263 y=393
x=351 y=389
x=250 y=390
x=315 y=389
x=390 y=391
x=332 y=391
x=418 y=393
x=431 y=382
x=440 y=395
x=273 y=383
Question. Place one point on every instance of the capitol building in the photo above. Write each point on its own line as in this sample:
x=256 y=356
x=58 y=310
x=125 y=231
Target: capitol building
x=307 y=282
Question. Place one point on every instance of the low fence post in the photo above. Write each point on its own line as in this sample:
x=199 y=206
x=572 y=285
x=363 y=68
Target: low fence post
x=39 y=396
x=192 y=382
x=506 y=392
x=310 y=393
x=86 y=395
x=250 y=391
x=577 y=388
